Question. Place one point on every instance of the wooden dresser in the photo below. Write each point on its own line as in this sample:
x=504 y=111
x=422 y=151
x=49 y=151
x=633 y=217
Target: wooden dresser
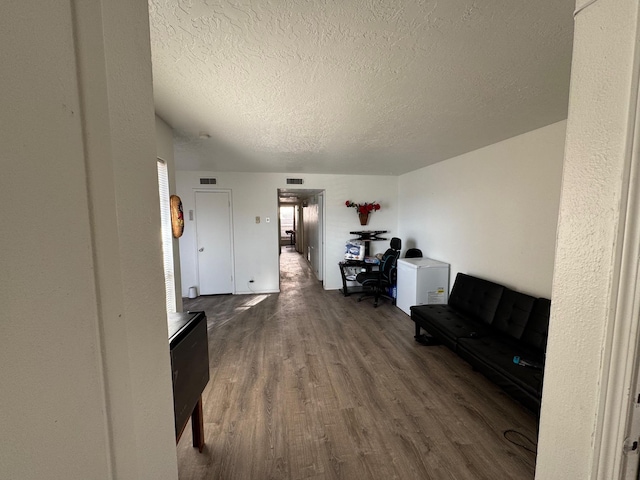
x=189 y=347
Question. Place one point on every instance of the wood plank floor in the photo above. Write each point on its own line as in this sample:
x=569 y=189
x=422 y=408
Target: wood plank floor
x=308 y=384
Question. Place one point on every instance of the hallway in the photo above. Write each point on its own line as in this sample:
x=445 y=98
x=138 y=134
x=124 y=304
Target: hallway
x=308 y=384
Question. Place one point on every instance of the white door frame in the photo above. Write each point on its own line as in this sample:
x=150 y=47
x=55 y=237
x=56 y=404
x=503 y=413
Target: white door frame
x=321 y=236
x=195 y=237
x=619 y=413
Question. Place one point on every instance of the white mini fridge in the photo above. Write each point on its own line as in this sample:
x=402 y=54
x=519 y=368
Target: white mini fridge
x=421 y=281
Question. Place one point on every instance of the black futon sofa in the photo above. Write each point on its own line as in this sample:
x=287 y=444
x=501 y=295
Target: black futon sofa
x=488 y=325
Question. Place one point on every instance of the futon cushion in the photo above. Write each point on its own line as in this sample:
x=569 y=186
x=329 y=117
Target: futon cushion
x=512 y=313
x=446 y=324
x=494 y=356
x=475 y=297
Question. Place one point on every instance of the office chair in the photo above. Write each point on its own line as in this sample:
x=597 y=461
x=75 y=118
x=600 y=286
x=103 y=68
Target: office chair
x=385 y=276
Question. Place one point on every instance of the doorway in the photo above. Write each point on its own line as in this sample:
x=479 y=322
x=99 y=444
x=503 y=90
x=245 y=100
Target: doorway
x=287 y=226
x=213 y=242
x=307 y=237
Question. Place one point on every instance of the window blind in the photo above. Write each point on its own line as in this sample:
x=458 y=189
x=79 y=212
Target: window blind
x=167 y=239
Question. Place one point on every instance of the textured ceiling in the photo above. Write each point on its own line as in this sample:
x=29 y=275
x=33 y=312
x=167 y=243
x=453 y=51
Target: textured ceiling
x=371 y=86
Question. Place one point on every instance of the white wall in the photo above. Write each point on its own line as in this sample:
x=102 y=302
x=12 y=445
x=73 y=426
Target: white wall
x=164 y=150
x=256 y=245
x=51 y=393
x=85 y=378
x=585 y=393
x=492 y=212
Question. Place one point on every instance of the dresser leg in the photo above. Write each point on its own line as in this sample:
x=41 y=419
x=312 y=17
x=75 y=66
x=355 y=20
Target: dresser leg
x=197 y=426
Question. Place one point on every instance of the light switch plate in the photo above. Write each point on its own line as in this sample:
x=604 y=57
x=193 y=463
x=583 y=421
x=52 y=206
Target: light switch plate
x=257 y=219
x=267 y=219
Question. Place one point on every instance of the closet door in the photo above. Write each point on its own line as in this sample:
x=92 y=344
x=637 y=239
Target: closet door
x=213 y=236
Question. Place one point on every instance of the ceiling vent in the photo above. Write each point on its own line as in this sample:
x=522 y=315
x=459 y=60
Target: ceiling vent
x=295 y=181
x=208 y=181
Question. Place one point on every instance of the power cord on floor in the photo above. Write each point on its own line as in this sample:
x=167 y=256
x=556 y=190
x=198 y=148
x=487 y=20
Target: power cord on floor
x=506 y=434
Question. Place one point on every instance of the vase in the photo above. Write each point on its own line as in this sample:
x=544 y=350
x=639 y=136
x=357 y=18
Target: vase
x=364 y=218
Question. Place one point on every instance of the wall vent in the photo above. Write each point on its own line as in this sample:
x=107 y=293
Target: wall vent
x=295 y=181
x=208 y=181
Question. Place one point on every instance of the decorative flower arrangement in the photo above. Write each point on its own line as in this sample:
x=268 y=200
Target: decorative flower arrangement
x=363 y=209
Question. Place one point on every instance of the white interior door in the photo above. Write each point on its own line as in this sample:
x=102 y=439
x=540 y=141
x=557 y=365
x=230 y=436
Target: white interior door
x=213 y=237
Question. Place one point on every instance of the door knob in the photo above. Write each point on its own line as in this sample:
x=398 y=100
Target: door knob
x=201 y=249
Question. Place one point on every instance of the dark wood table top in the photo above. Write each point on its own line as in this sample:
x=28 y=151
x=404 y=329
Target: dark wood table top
x=181 y=323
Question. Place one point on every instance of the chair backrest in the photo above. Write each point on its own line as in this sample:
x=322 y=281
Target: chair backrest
x=388 y=264
x=413 y=253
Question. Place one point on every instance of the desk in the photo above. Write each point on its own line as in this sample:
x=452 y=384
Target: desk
x=292 y=236
x=189 y=347
x=359 y=264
